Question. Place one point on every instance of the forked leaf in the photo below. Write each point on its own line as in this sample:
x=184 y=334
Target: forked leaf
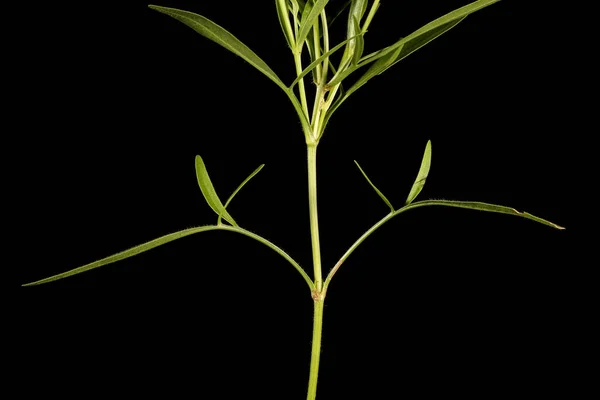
x=422 y=175
x=385 y=200
x=309 y=16
x=474 y=205
x=126 y=254
x=256 y=171
x=219 y=35
x=209 y=193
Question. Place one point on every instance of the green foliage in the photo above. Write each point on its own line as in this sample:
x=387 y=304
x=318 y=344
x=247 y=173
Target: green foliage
x=209 y=193
x=305 y=25
x=385 y=200
x=422 y=175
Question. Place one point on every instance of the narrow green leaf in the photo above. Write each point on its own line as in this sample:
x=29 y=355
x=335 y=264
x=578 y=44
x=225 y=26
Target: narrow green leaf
x=284 y=21
x=319 y=60
x=460 y=204
x=219 y=35
x=473 y=205
x=412 y=45
x=169 y=238
x=309 y=17
x=385 y=200
x=209 y=192
x=371 y=15
x=126 y=253
x=357 y=11
x=355 y=14
x=422 y=175
x=391 y=55
x=403 y=48
x=256 y=171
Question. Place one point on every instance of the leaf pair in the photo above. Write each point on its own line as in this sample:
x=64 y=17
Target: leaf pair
x=210 y=195
x=215 y=203
x=417 y=185
x=472 y=205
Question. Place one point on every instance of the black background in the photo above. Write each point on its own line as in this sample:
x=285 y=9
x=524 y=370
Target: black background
x=439 y=301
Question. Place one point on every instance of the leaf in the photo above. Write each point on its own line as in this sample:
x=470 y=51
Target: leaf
x=385 y=200
x=392 y=54
x=256 y=171
x=219 y=35
x=169 y=238
x=371 y=15
x=407 y=46
x=209 y=193
x=127 y=253
x=422 y=175
x=473 y=205
x=355 y=14
x=309 y=17
x=284 y=21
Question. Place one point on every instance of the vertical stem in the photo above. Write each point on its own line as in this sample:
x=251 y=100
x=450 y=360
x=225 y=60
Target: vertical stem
x=316 y=348
x=314 y=218
x=317 y=295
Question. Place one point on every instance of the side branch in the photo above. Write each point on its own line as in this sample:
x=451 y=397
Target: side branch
x=472 y=205
x=169 y=238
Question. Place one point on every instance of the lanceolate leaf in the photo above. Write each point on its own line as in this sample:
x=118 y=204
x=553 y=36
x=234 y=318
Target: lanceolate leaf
x=169 y=238
x=256 y=171
x=309 y=17
x=219 y=35
x=407 y=46
x=355 y=14
x=411 y=45
x=422 y=175
x=127 y=253
x=473 y=205
x=385 y=200
x=209 y=193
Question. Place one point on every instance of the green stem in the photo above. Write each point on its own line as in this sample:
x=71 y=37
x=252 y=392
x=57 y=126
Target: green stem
x=316 y=348
x=317 y=294
x=314 y=218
